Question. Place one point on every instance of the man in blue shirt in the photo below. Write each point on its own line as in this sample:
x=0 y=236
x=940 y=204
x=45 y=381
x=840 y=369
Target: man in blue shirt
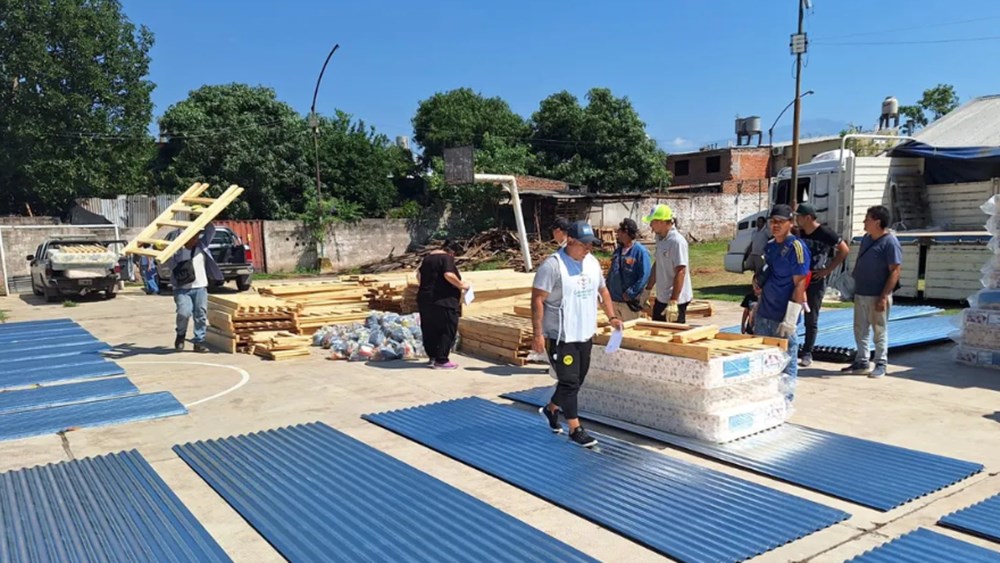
x=629 y=272
x=782 y=286
x=876 y=273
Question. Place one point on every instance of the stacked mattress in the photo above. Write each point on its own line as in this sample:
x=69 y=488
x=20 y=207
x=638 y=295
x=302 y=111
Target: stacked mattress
x=979 y=338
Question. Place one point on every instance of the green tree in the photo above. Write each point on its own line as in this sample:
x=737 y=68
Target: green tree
x=936 y=102
x=603 y=145
x=239 y=134
x=74 y=103
x=463 y=117
x=361 y=166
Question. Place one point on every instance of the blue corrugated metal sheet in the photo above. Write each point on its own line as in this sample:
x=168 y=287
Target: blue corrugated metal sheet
x=32 y=344
x=839 y=319
x=84 y=415
x=839 y=344
x=925 y=546
x=57 y=395
x=317 y=494
x=108 y=508
x=23 y=325
x=86 y=367
x=869 y=473
x=60 y=331
x=92 y=348
x=981 y=519
x=677 y=508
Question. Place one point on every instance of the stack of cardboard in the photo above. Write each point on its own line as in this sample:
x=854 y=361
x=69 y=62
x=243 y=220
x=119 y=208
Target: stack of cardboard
x=280 y=345
x=505 y=338
x=234 y=319
x=321 y=303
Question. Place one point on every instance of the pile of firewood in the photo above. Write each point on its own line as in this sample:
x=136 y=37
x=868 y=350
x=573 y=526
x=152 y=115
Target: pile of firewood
x=499 y=247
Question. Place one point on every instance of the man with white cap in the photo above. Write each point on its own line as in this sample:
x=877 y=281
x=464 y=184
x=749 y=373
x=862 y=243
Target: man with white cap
x=564 y=300
x=670 y=270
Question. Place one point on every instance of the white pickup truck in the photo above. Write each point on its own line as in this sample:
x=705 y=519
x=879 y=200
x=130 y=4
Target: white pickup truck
x=76 y=266
x=940 y=225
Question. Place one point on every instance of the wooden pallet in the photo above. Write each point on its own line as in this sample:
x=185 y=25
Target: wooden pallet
x=190 y=203
x=501 y=337
x=698 y=343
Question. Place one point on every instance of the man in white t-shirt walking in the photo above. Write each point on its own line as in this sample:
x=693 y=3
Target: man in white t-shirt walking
x=192 y=268
x=670 y=269
x=564 y=300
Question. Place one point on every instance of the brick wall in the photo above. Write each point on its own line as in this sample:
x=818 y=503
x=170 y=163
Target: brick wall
x=750 y=163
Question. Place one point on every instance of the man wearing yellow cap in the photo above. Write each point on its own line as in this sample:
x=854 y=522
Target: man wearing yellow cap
x=670 y=271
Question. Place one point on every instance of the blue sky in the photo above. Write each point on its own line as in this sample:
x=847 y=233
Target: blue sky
x=688 y=66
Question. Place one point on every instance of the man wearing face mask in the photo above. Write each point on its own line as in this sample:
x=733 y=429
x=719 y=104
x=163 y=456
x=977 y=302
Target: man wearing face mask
x=782 y=285
x=564 y=300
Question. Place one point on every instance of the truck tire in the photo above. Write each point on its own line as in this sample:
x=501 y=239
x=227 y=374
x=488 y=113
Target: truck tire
x=35 y=290
x=110 y=293
x=243 y=283
x=52 y=295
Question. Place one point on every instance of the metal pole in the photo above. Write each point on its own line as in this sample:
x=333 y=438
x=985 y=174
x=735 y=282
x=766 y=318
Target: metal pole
x=510 y=184
x=797 y=114
x=314 y=123
x=3 y=264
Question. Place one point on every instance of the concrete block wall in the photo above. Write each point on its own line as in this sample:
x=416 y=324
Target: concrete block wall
x=699 y=217
x=288 y=246
x=20 y=241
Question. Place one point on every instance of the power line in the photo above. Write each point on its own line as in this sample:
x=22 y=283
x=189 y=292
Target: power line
x=912 y=28
x=914 y=42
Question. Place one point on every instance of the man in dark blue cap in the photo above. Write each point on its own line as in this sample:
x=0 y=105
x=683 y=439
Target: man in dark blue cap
x=564 y=301
x=782 y=286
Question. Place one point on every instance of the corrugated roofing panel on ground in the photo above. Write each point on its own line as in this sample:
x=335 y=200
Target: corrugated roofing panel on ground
x=317 y=494
x=981 y=519
x=46 y=343
x=6 y=328
x=57 y=395
x=839 y=319
x=107 y=508
x=925 y=546
x=58 y=331
x=72 y=368
x=92 y=348
x=677 y=508
x=87 y=415
x=869 y=473
x=902 y=333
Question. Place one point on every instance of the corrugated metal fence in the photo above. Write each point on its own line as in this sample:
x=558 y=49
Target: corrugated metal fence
x=129 y=211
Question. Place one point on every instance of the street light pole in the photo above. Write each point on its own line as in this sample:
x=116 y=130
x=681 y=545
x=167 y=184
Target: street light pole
x=314 y=121
x=798 y=46
x=770 y=132
x=314 y=124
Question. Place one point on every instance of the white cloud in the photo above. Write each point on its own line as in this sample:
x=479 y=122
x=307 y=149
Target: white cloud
x=679 y=142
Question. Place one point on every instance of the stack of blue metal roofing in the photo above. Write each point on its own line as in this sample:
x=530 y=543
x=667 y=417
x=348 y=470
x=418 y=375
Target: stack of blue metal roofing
x=54 y=378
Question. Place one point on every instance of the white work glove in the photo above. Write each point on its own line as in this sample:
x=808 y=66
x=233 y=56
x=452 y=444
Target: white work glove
x=789 y=325
x=672 y=311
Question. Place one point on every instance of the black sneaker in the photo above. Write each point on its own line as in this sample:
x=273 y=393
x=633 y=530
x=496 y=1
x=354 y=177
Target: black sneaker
x=805 y=360
x=581 y=438
x=857 y=368
x=552 y=418
x=200 y=348
x=179 y=343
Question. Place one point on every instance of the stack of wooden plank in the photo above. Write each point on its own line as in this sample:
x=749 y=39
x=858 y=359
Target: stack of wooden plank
x=280 y=345
x=386 y=291
x=696 y=342
x=321 y=303
x=234 y=319
x=505 y=338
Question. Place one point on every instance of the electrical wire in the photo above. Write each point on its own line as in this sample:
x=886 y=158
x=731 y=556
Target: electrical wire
x=912 y=28
x=913 y=42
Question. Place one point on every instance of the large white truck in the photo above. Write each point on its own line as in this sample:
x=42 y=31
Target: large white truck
x=940 y=226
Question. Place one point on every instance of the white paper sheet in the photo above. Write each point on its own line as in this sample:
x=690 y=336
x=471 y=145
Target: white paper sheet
x=615 y=342
x=469 y=295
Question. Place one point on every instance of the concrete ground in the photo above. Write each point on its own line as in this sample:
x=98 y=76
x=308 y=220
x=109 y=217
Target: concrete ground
x=928 y=402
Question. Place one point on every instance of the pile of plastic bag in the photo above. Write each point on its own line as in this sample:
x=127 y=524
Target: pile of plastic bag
x=382 y=337
x=979 y=337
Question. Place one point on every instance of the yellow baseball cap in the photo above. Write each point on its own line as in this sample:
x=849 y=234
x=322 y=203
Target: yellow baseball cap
x=661 y=212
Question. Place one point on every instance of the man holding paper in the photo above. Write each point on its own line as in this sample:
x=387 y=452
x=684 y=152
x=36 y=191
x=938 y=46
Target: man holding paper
x=782 y=285
x=564 y=302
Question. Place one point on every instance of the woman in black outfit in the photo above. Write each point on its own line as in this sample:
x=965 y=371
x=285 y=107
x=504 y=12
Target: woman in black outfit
x=438 y=298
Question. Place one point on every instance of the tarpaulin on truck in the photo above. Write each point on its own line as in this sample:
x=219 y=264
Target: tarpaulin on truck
x=947 y=165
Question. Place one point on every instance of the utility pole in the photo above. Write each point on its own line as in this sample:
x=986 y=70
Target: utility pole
x=314 y=124
x=798 y=45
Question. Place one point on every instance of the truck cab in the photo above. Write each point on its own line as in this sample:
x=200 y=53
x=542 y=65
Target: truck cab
x=937 y=221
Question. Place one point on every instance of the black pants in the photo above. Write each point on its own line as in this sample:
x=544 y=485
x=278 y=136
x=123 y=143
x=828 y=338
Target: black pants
x=439 y=326
x=571 y=362
x=814 y=297
x=660 y=312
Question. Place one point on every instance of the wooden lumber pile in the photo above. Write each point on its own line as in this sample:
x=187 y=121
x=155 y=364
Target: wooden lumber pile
x=280 y=345
x=386 y=292
x=498 y=247
x=683 y=340
x=321 y=303
x=234 y=320
x=505 y=338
